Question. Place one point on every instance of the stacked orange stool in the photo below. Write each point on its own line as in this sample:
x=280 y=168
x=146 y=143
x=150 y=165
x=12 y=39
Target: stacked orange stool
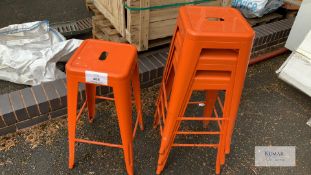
x=108 y=64
x=209 y=52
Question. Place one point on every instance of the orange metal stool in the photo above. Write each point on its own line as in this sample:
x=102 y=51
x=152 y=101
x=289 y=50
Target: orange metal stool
x=109 y=64
x=210 y=52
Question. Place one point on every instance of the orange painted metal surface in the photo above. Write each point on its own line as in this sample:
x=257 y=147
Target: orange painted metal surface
x=209 y=52
x=119 y=63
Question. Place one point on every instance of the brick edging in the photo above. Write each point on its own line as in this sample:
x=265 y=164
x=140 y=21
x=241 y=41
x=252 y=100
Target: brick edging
x=34 y=105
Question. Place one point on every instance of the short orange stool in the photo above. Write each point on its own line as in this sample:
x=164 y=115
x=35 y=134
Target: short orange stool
x=209 y=52
x=108 y=64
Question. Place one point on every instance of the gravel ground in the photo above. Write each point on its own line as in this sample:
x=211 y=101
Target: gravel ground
x=271 y=113
x=6 y=87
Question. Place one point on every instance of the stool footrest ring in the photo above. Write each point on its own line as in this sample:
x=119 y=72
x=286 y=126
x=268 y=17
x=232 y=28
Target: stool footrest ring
x=199 y=132
x=108 y=98
x=195 y=145
x=99 y=143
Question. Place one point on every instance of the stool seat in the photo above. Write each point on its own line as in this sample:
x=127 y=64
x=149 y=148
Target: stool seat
x=214 y=23
x=118 y=62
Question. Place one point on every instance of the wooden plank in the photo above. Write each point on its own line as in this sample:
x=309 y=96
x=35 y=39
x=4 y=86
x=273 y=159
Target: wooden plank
x=265 y=19
x=103 y=29
x=159 y=42
x=212 y=3
x=160 y=14
x=98 y=18
x=94 y=9
x=136 y=3
x=163 y=14
x=88 y=3
x=292 y=5
x=133 y=18
x=156 y=15
x=172 y=13
x=226 y=3
x=294 y=2
x=161 y=29
x=144 y=25
x=133 y=3
x=131 y=32
x=164 y=2
x=114 y=11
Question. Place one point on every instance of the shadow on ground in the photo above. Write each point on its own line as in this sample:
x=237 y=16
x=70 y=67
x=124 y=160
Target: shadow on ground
x=271 y=113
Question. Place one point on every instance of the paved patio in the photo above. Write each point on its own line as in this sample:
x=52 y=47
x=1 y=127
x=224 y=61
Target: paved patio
x=20 y=11
x=271 y=113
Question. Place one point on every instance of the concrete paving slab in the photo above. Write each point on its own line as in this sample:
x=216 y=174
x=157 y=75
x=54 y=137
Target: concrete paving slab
x=20 y=11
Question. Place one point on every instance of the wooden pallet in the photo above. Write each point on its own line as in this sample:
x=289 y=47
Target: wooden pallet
x=292 y=4
x=93 y=9
x=103 y=29
x=89 y=3
x=265 y=19
x=145 y=28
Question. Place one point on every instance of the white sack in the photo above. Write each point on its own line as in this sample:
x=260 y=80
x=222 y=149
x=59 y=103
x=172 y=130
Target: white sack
x=256 y=8
x=29 y=52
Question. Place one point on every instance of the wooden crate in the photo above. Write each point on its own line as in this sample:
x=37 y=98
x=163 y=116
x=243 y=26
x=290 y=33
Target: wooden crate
x=145 y=28
x=265 y=19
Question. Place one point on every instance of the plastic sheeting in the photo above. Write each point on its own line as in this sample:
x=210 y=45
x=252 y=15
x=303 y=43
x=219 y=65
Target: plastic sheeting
x=29 y=52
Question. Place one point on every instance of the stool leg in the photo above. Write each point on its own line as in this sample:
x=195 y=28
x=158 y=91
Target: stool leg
x=166 y=144
x=91 y=97
x=225 y=125
x=122 y=94
x=72 y=94
x=237 y=92
x=179 y=97
x=169 y=133
x=217 y=166
x=136 y=92
x=158 y=111
x=233 y=113
x=166 y=88
x=211 y=97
